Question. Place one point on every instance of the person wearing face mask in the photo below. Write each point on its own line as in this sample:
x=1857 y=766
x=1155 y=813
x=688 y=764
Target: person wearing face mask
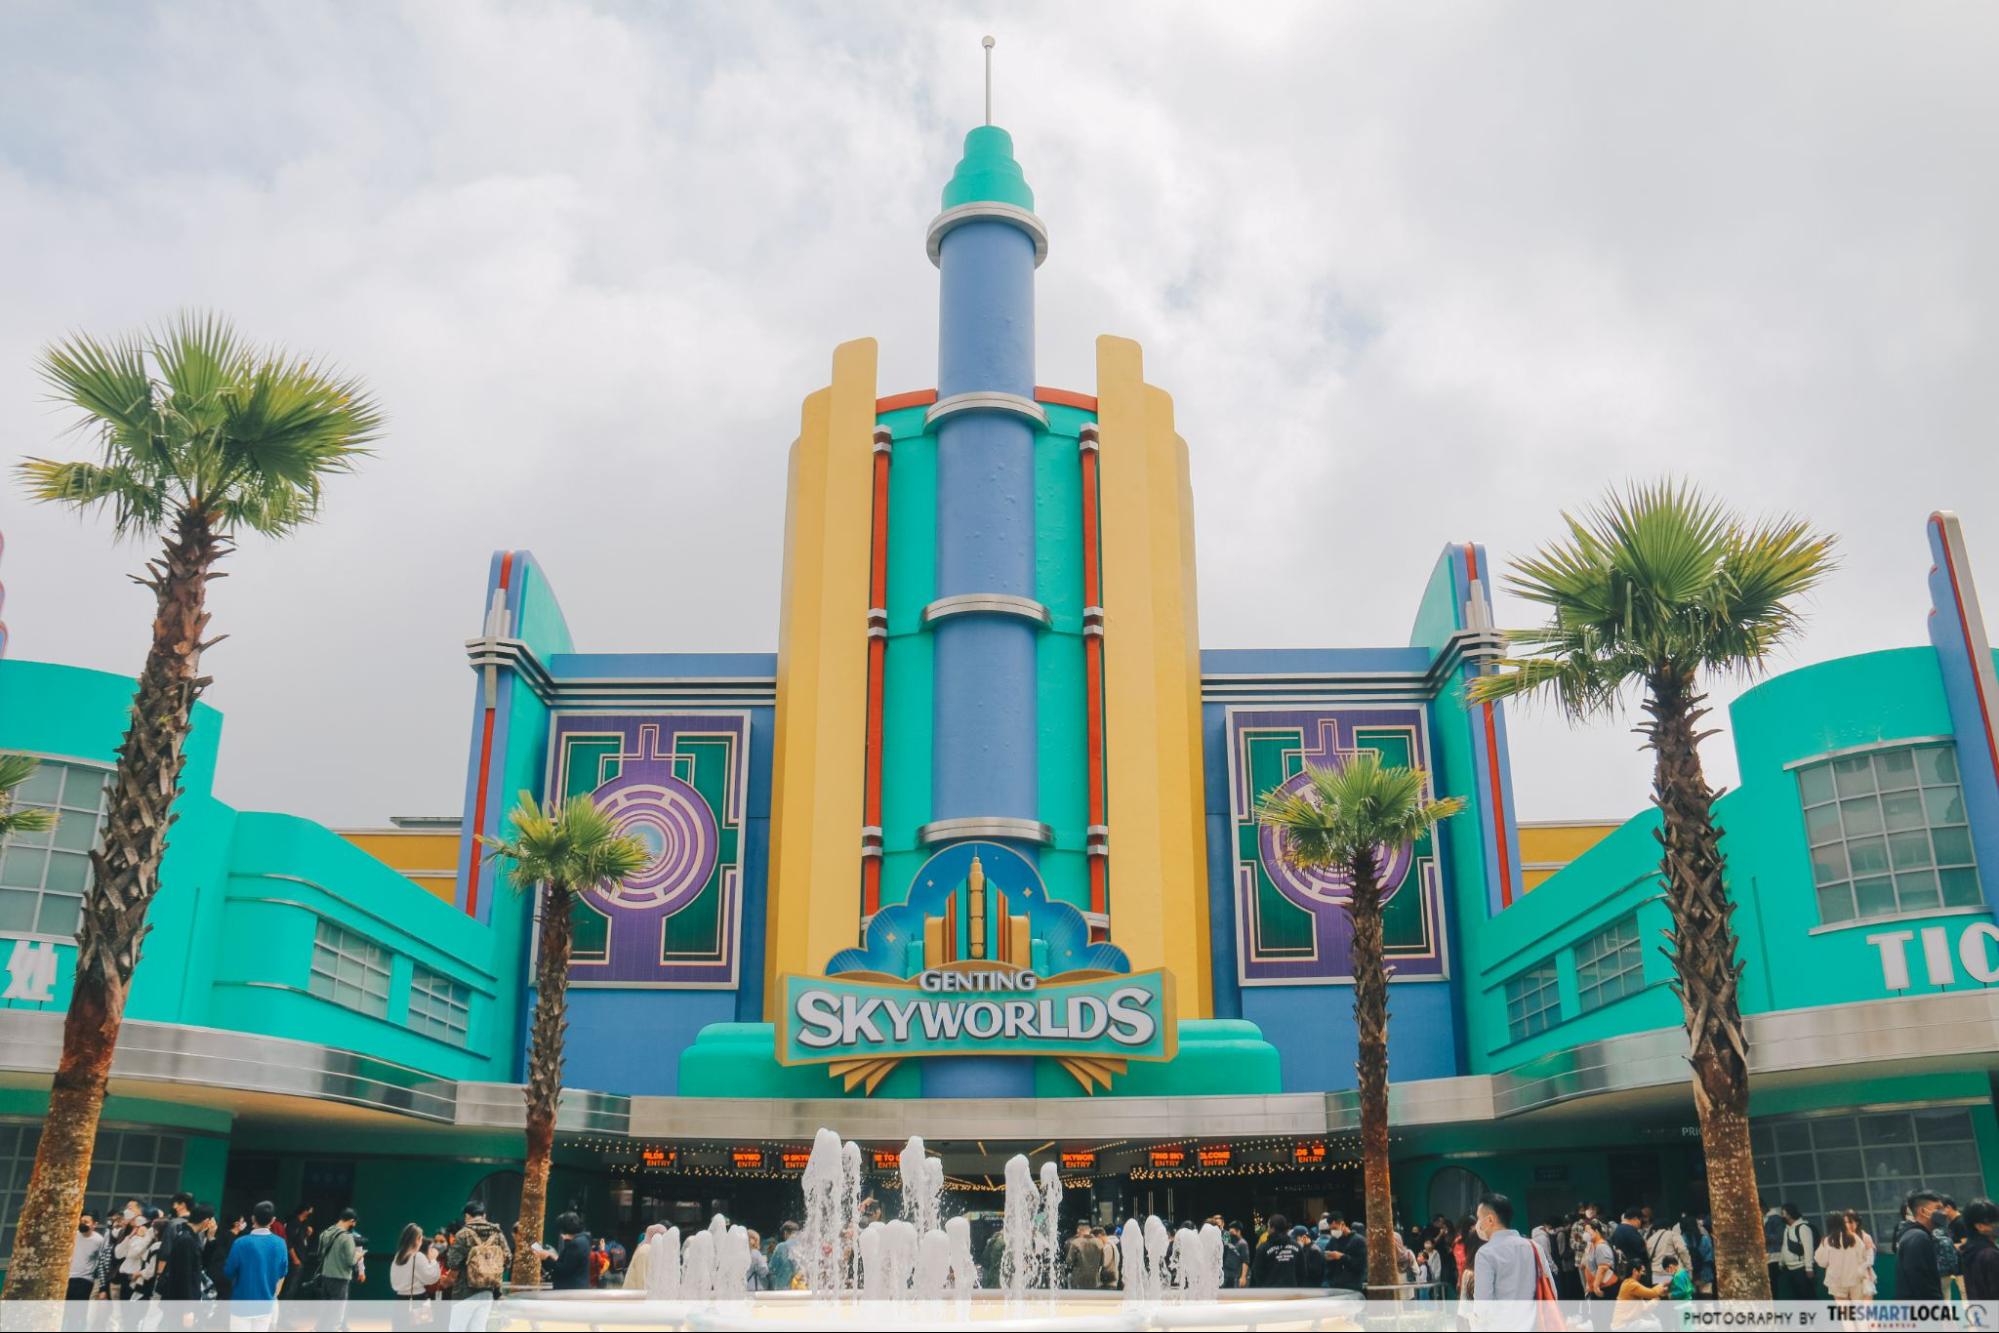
x=135 y=1258
x=1346 y=1255
x=83 y=1257
x=111 y=1286
x=181 y=1274
x=1508 y=1263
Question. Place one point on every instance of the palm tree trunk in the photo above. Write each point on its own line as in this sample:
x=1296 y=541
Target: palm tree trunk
x=1370 y=1020
x=1708 y=977
x=125 y=877
x=544 y=1085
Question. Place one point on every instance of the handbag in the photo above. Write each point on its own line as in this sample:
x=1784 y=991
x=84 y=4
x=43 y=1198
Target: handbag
x=1548 y=1316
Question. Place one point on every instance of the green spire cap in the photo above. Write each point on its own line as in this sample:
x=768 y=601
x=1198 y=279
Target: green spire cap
x=987 y=174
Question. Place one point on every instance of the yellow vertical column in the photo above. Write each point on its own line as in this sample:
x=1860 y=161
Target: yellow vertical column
x=822 y=672
x=1152 y=681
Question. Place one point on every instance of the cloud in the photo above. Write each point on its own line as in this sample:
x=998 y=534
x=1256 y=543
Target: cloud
x=1414 y=275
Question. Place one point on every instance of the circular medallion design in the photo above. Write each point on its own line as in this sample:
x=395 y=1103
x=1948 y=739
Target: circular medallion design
x=1319 y=888
x=676 y=825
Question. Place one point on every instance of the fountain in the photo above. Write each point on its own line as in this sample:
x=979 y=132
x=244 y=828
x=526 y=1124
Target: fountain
x=921 y=1256
x=663 y=1266
x=964 y=1274
x=868 y=1247
x=697 y=1267
x=1051 y=1223
x=1140 y=1285
x=922 y=1186
x=827 y=1213
x=1018 y=1229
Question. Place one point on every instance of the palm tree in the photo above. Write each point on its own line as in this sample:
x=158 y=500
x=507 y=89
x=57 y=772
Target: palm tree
x=561 y=848
x=199 y=438
x=1654 y=587
x=1346 y=818
x=16 y=769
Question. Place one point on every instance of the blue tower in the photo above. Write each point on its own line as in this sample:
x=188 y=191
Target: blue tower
x=986 y=244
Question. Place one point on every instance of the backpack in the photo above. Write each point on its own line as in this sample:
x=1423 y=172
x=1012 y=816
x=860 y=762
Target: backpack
x=486 y=1261
x=1947 y=1256
x=306 y=1288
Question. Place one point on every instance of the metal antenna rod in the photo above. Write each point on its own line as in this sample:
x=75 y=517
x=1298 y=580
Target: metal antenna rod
x=987 y=42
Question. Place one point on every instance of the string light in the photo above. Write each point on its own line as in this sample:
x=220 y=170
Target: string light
x=1116 y=1159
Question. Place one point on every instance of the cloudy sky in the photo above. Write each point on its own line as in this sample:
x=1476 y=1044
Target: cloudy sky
x=1414 y=274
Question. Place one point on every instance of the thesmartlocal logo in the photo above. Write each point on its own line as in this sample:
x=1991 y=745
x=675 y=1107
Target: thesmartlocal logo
x=952 y=1011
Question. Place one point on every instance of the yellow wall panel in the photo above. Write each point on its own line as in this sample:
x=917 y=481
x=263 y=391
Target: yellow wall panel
x=1546 y=848
x=822 y=675
x=429 y=860
x=1152 y=681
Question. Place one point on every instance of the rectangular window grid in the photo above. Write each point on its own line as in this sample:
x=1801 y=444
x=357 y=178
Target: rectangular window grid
x=1888 y=834
x=1533 y=1002
x=350 y=970
x=127 y=1164
x=1609 y=965
x=1868 y=1163
x=439 y=1006
x=43 y=875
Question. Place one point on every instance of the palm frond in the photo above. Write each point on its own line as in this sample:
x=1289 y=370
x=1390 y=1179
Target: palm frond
x=108 y=381
x=137 y=505
x=16 y=769
x=568 y=845
x=1654 y=581
x=200 y=363
x=245 y=438
x=1351 y=809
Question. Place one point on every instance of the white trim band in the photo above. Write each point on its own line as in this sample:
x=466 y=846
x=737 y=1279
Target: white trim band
x=986 y=826
x=986 y=400
x=983 y=210
x=987 y=603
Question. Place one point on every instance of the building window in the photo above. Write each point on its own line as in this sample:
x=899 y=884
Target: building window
x=1609 y=965
x=1865 y=1162
x=439 y=1006
x=43 y=875
x=1532 y=1002
x=1888 y=834
x=350 y=970
x=1455 y=1192
x=126 y=1164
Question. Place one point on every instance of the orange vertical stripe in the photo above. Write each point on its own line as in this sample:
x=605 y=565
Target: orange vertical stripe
x=1093 y=678
x=1492 y=773
x=871 y=787
x=485 y=769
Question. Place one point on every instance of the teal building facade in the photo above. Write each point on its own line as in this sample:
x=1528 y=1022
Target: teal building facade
x=988 y=668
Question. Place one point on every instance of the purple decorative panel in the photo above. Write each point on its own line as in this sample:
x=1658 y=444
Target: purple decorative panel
x=677 y=782
x=1291 y=924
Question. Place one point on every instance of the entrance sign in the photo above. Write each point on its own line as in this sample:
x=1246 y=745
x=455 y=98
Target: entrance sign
x=833 y=1018
x=1975 y=952
x=978 y=960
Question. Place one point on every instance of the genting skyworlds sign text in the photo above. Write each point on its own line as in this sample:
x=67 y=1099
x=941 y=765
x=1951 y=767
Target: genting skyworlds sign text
x=1124 y=1016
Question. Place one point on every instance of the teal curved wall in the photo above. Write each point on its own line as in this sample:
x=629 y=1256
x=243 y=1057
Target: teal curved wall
x=242 y=893
x=1791 y=960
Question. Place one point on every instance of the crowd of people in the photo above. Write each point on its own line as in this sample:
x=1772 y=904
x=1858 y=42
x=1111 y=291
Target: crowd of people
x=1939 y=1252
x=188 y=1253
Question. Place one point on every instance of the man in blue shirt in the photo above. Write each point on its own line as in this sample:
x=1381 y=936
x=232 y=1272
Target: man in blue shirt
x=256 y=1271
